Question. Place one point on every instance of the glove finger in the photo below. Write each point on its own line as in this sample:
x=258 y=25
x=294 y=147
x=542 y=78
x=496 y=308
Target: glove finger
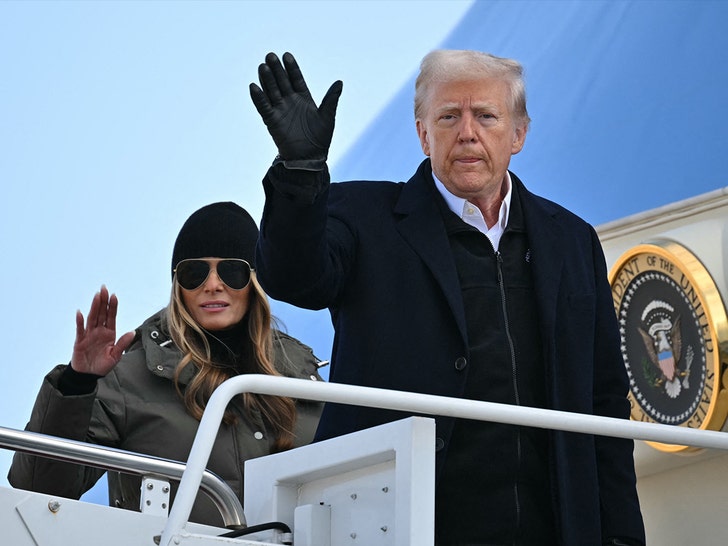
x=295 y=76
x=331 y=100
x=281 y=76
x=261 y=102
x=269 y=84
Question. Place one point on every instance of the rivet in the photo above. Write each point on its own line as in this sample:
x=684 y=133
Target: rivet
x=54 y=506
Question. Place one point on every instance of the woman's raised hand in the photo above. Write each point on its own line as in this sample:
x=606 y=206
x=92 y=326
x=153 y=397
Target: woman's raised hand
x=96 y=350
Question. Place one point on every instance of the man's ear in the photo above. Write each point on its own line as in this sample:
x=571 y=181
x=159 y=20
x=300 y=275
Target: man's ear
x=423 y=136
x=519 y=139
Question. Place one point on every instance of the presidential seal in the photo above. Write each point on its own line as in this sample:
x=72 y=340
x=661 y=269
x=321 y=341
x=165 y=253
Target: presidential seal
x=672 y=322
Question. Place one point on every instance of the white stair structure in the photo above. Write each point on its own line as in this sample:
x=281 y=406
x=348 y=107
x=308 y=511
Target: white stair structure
x=371 y=488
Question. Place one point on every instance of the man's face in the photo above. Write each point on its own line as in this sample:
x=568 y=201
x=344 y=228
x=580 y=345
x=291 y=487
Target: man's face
x=469 y=133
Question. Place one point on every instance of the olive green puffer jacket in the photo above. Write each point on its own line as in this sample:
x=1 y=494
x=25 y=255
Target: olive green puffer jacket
x=136 y=408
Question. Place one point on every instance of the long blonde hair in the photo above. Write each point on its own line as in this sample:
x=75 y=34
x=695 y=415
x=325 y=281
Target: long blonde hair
x=189 y=336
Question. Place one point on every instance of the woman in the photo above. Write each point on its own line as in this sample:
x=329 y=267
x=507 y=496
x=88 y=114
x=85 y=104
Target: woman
x=150 y=398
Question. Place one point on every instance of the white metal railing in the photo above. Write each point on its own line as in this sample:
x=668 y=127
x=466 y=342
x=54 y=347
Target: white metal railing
x=408 y=402
x=119 y=460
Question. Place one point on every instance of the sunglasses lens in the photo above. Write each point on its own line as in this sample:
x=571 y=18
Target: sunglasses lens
x=234 y=273
x=192 y=273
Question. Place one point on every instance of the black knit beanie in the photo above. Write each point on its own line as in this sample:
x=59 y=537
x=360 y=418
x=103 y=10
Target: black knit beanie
x=218 y=230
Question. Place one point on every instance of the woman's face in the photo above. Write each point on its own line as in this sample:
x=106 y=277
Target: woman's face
x=213 y=304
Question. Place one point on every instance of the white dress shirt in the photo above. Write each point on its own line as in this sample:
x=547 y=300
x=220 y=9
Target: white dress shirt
x=471 y=214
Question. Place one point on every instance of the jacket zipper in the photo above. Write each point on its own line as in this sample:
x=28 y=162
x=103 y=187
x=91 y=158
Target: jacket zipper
x=502 y=289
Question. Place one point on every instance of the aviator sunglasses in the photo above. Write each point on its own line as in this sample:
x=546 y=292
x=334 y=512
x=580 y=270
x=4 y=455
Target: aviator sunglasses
x=193 y=272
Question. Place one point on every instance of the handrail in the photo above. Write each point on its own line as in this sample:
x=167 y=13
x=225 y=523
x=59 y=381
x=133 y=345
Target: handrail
x=108 y=458
x=410 y=402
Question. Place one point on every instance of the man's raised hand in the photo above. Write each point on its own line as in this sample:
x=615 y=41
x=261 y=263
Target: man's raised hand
x=300 y=129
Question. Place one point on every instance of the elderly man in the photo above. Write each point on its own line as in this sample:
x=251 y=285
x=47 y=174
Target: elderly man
x=459 y=283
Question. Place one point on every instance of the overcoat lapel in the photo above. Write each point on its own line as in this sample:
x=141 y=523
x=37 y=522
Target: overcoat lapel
x=421 y=226
x=546 y=241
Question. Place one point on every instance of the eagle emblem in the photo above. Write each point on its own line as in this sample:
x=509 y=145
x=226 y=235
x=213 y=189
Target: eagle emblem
x=663 y=342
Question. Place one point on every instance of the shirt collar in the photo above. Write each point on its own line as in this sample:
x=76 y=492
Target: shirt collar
x=470 y=213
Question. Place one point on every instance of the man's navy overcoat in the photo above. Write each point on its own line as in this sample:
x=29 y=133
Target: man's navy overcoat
x=376 y=254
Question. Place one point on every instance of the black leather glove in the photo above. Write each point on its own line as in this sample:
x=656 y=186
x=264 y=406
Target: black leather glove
x=301 y=130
